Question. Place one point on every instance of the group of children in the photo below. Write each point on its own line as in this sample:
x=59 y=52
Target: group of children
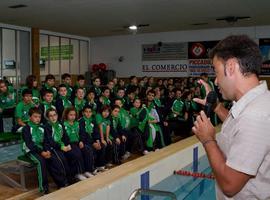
x=75 y=131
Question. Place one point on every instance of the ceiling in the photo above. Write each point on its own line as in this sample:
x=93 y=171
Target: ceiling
x=94 y=18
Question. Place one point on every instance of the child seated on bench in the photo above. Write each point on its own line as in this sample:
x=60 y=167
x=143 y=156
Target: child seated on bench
x=34 y=146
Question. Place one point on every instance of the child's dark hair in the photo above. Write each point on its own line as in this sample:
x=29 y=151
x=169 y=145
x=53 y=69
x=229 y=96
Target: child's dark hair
x=90 y=91
x=79 y=88
x=49 y=77
x=47 y=91
x=105 y=88
x=26 y=91
x=115 y=107
x=80 y=77
x=50 y=110
x=30 y=80
x=86 y=107
x=117 y=99
x=120 y=88
x=105 y=107
x=67 y=111
x=33 y=111
x=62 y=85
x=65 y=75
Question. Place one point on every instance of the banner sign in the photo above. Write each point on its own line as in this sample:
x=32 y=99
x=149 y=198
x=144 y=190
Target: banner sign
x=65 y=52
x=179 y=66
x=199 y=61
x=264 y=45
x=164 y=51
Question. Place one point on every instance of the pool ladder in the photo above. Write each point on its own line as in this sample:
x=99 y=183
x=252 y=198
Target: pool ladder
x=140 y=191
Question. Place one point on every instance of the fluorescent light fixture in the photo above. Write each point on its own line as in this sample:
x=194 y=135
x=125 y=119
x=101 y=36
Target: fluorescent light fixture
x=18 y=6
x=133 y=27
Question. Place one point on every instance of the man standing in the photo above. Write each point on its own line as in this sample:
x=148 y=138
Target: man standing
x=240 y=155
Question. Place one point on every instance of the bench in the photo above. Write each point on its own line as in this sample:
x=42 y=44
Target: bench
x=25 y=165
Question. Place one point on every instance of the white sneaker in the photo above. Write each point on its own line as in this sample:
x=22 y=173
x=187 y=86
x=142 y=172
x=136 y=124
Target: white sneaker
x=157 y=149
x=145 y=152
x=88 y=174
x=80 y=177
x=95 y=172
x=109 y=165
x=126 y=155
x=101 y=169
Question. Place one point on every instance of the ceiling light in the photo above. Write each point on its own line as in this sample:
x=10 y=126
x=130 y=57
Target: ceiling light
x=18 y=6
x=133 y=27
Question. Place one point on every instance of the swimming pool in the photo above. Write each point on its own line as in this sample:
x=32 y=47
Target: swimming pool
x=187 y=187
x=152 y=171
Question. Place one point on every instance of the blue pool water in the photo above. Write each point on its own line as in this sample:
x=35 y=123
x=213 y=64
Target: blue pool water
x=187 y=187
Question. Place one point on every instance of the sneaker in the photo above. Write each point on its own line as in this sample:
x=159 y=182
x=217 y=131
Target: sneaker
x=101 y=169
x=126 y=155
x=88 y=174
x=95 y=172
x=45 y=190
x=80 y=177
x=145 y=152
x=157 y=149
x=108 y=165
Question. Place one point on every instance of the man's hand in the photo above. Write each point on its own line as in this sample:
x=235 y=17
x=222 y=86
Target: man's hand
x=203 y=128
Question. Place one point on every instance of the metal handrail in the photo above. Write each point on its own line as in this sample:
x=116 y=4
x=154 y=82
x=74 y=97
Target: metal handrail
x=141 y=191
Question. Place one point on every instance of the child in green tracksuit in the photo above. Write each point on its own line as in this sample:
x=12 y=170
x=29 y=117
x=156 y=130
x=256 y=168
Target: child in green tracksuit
x=46 y=104
x=153 y=131
x=83 y=154
x=49 y=84
x=7 y=102
x=35 y=146
x=31 y=84
x=125 y=133
x=66 y=80
x=79 y=101
x=105 y=98
x=177 y=118
x=103 y=129
x=62 y=101
x=22 y=110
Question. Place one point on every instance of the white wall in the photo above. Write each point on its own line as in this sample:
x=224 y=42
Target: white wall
x=109 y=49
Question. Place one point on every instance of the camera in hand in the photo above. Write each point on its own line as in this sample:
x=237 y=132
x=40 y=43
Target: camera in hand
x=211 y=102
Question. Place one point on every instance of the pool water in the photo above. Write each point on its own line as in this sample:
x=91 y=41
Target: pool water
x=187 y=187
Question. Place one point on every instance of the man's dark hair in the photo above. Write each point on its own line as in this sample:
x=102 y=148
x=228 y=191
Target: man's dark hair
x=244 y=49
